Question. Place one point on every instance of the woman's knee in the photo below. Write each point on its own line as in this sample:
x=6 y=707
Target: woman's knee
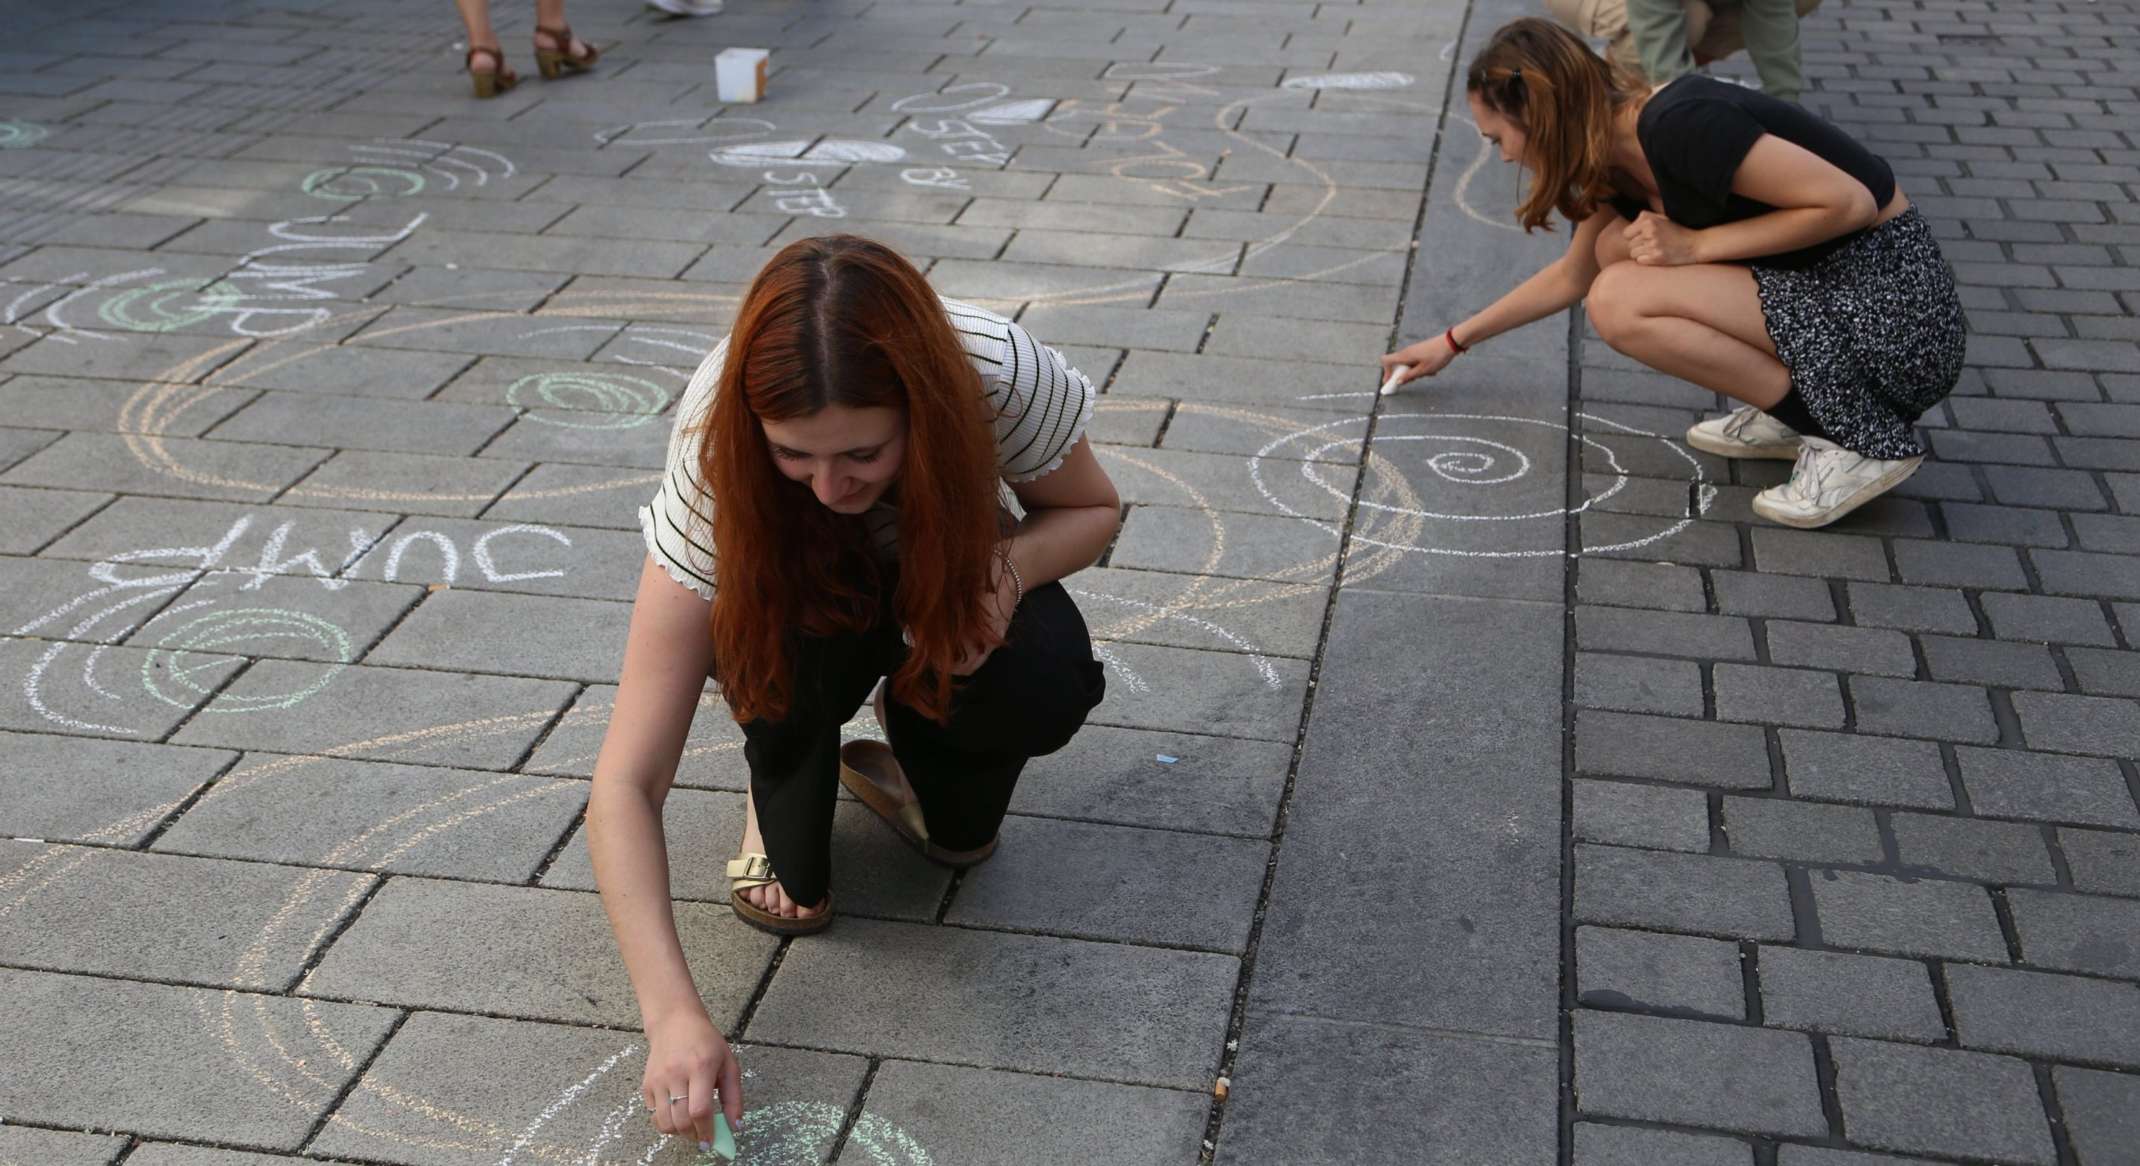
x=1614 y=303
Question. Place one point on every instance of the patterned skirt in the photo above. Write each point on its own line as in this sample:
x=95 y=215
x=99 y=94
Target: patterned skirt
x=1872 y=334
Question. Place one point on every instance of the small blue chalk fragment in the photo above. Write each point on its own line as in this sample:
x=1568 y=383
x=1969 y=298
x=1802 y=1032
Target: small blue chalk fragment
x=1167 y=760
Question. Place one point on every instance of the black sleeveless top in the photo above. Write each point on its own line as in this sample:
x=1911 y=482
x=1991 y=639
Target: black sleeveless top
x=1695 y=132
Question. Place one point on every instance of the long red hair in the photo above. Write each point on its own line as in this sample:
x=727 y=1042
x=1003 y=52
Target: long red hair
x=841 y=320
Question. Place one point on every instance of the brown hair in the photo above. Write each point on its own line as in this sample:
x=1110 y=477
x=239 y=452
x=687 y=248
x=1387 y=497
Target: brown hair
x=1544 y=78
x=841 y=320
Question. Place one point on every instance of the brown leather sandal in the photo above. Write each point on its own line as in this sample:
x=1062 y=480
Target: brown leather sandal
x=865 y=769
x=496 y=81
x=557 y=62
x=750 y=871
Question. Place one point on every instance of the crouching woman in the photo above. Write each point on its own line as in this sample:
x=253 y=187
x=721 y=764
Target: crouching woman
x=1732 y=240
x=857 y=433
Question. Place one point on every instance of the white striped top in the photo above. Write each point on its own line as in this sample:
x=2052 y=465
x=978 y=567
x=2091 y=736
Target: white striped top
x=1040 y=405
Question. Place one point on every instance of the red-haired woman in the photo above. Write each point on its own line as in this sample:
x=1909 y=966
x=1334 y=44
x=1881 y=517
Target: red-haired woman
x=1733 y=240
x=857 y=431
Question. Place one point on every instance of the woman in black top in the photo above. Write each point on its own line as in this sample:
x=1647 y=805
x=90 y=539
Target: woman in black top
x=1731 y=239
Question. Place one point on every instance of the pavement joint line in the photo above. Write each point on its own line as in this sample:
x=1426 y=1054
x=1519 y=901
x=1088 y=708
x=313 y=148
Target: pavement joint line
x=2047 y=1095
x=1831 y=1103
x=855 y=1108
x=186 y=803
x=341 y=1096
x=245 y=665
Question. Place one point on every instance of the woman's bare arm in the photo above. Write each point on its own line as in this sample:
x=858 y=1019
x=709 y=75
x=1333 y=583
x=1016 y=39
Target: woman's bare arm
x=666 y=656
x=1816 y=200
x=1070 y=516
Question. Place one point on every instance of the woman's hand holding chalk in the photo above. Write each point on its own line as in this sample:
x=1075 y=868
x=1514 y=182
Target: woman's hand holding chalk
x=1396 y=378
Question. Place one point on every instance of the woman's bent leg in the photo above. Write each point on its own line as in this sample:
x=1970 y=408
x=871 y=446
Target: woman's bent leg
x=1028 y=700
x=795 y=761
x=1702 y=323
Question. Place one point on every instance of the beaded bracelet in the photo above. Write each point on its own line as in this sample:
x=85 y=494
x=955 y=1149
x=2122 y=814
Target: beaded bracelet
x=1017 y=582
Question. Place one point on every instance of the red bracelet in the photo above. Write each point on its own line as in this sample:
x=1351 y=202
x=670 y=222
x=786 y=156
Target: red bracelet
x=1450 y=336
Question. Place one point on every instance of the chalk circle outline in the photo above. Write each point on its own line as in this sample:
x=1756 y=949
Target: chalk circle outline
x=1311 y=471
x=629 y=401
x=119 y=309
x=21 y=135
x=806 y=1129
x=220 y=629
x=316 y=183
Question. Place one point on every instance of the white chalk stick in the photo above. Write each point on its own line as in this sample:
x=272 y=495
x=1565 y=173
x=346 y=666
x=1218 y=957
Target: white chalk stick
x=1390 y=386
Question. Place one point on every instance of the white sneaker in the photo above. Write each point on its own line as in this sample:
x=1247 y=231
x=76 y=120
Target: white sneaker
x=1829 y=482
x=1745 y=432
x=686 y=7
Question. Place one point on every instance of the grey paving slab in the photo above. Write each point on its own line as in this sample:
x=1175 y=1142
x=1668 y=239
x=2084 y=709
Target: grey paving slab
x=2081 y=933
x=277 y=616
x=58 y=1148
x=1171 y=781
x=165 y=1061
x=2102 y=861
x=365 y=372
x=1995 y=852
x=1606 y=1145
x=402 y=819
x=1840 y=767
x=405 y=482
x=1169 y=477
x=2102 y=1113
x=1399 y=685
x=139 y=356
x=1875 y=912
x=978 y=1116
x=1700 y=752
x=1743 y=593
x=259 y=540
x=1185 y=690
x=2010 y=783
x=527 y=952
x=79 y=403
x=475 y=631
x=107 y=692
x=386 y=714
x=1858 y=995
x=1940 y=1101
x=1646 y=971
x=32 y=516
x=1239 y=615
x=366 y=423
x=2062 y=1017
x=1242 y=381
x=206 y=469
x=1783 y=829
x=570 y=495
x=1129 y=1014
x=110 y=792
x=1326 y=1092
x=1686 y=1072
x=463 y=1090
x=1734 y=898
x=475 y=332
x=1155 y=887
x=176 y=1154
x=1204 y=542
x=1650 y=816
x=223 y=924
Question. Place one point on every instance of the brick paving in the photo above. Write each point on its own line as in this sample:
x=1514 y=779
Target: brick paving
x=327 y=395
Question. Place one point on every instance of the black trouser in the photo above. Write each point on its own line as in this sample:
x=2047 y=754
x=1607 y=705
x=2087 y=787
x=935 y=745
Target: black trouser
x=1026 y=701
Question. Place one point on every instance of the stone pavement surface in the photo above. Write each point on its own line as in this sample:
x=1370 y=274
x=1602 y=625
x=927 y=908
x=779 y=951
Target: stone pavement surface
x=1478 y=782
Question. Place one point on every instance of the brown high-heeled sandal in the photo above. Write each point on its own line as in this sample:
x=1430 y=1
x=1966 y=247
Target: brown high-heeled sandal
x=557 y=62
x=496 y=81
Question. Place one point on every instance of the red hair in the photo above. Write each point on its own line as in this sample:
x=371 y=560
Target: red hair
x=841 y=320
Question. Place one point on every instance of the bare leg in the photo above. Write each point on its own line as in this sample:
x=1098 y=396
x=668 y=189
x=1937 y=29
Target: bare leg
x=1701 y=323
x=475 y=14
x=551 y=14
